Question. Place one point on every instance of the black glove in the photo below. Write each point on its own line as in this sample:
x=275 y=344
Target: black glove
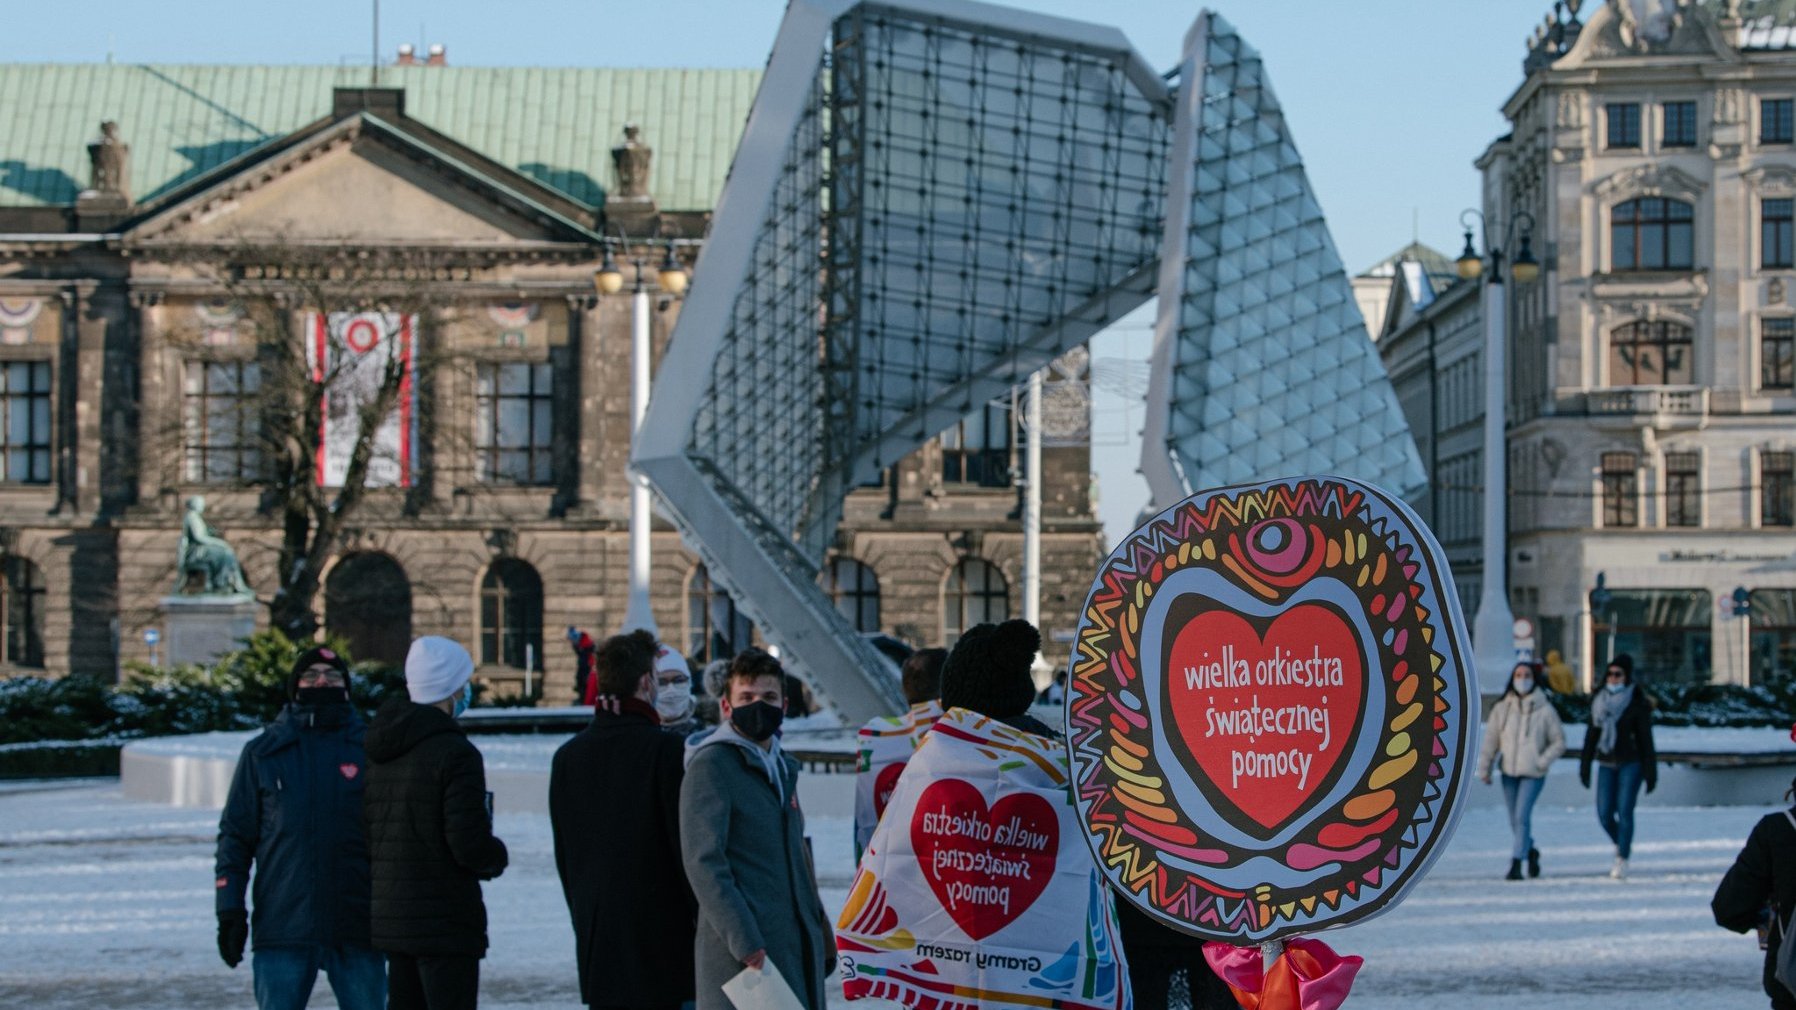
x=233 y=933
x=1584 y=775
x=1652 y=783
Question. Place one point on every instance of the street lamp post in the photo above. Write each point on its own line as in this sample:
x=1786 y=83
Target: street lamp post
x=1032 y=517
x=639 y=611
x=1493 y=627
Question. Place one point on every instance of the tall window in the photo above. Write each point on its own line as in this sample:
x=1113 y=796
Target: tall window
x=1777 y=352
x=1623 y=124
x=1773 y=629
x=23 y=611
x=855 y=590
x=1683 y=489
x=1651 y=233
x=1621 y=502
x=715 y=629
x=25 y=414
x=1679 y=122
x=1651 y=353
x=1777 y=489
x=514 y=415
x=1774 y=233
x=975 y=593
x=511 y=616
x=1667 y=631
x=977 y=450
x=220 y=422
x=1777 y=121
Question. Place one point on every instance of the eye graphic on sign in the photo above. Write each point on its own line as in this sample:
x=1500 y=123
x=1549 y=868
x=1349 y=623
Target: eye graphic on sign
x=1269 y=708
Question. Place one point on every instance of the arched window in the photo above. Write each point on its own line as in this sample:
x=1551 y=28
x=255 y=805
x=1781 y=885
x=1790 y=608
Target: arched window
x=368 y=601
x=855 y=590
x=1651 y=233
x=975 y=593
x=1651 y=353
x=23 y=611
x=715 y=629
x=511 y=615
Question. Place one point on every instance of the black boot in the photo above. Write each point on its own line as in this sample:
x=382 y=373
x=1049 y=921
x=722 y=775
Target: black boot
x=1515 y=870
x=1533 y=862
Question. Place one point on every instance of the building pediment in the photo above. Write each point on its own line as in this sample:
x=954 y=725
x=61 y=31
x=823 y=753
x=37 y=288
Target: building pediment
x=1648 y=180
x=357 y=181
x=1629 y=29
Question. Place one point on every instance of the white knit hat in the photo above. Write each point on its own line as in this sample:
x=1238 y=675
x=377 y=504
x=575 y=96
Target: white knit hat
x=669 y=661
x=436 y=668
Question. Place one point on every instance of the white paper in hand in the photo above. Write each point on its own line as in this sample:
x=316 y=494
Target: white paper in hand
x=762 y=988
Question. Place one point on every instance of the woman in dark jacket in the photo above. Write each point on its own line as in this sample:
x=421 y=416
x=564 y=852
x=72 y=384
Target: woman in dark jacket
x=1760 y=890
x=1620 y=741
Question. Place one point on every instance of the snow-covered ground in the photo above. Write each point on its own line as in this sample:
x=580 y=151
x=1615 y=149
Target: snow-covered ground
x=108 y=903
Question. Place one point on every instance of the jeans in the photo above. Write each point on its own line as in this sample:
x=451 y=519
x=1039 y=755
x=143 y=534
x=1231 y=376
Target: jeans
x=1617 y=787
x=434 y=982
x=284 y=976
x=1519 y=793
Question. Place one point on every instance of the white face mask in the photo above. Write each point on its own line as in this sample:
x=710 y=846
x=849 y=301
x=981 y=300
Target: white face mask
x=1616 y=686
x=1523 y=685
x=673 y=701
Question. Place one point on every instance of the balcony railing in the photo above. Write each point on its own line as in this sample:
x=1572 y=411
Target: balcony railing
x=1673 y=401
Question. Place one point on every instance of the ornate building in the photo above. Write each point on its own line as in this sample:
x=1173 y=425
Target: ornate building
x=125 y=371
x=1652 y=416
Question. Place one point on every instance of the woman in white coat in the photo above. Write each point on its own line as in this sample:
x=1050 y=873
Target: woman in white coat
x=1524 y=729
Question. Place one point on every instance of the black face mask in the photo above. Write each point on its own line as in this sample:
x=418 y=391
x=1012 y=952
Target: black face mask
x=321 y=696
x=757 y=720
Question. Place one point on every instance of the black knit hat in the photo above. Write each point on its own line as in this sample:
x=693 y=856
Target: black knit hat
x=988 y=671
x=312 y=657
x=1626 y=662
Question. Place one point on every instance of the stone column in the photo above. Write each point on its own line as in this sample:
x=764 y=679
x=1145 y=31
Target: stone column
x=153 y=452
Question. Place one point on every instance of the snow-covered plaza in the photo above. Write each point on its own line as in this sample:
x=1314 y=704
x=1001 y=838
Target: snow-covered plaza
x=105 y=902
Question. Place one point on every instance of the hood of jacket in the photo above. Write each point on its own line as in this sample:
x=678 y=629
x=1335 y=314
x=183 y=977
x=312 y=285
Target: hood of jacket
x=402 y=725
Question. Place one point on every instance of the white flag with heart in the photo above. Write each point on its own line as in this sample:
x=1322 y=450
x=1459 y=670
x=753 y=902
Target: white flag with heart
x=885 y=746
x=976 y=889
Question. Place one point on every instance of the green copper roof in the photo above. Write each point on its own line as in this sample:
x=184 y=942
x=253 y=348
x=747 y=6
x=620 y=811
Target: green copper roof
x=556 y=125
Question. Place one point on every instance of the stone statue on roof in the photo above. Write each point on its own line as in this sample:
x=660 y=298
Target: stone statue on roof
x=207 y=555
x=111 y=158
x=632 y=158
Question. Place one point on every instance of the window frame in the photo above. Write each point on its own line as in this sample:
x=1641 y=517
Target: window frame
x=34 y=450
x=1777 y=235
x=1679 y=141
x=1777 y=488
x=859 y=596
x=1683 y=489
x=500 y=601
x=489 y=448
x=1784 y=120
x=700 y=636
x=23 y=594
x=1775 y=350
x=1662 y=339
x=1638 y=226
x=986 y=465
x=958 y=593
x=197 y=453
x=1619 y=474
x=1630 y=119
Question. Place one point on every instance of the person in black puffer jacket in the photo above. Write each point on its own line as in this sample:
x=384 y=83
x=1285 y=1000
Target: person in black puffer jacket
x=295 y=812
x=1760 y=890
x=430 y=834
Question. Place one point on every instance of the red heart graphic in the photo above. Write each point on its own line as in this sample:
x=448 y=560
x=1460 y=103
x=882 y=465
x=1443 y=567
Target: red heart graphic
x=986 y=867
x=883 y=784
x=1266 y=717
x=349 y=771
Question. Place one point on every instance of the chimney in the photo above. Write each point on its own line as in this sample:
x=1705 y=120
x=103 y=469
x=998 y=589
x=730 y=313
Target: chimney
x=439 y=56
x=387 y=103
x=408 y=56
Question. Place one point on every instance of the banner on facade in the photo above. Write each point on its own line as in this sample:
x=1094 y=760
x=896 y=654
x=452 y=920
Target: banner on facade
x=886 y=745
x=975 y=890
x=1270 y=704
x=351 y=355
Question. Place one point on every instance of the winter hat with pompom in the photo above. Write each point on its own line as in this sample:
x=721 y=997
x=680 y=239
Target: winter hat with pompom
x=988 y=670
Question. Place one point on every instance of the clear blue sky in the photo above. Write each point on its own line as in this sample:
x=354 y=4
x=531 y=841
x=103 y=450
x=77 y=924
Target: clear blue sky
x=1390 y=101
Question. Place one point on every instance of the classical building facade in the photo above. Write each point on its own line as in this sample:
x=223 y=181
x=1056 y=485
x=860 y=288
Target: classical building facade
x=1651 y=413
x=127 y=369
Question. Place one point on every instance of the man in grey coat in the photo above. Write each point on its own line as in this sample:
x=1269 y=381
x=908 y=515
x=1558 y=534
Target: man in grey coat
x=742 y=839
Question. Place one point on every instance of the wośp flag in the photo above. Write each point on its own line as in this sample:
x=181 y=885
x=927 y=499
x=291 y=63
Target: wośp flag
x=886 y=744
x=351 y=354
x=977 y=889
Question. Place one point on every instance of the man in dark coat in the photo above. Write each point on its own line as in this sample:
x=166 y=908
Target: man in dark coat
x=430 y=834
x=614 y=805
x=295 y=812
x=742 y=836
x=1760 y=890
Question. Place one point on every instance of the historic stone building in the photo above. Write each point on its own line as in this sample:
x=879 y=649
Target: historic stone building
x=1651 y=411
x=126 y=369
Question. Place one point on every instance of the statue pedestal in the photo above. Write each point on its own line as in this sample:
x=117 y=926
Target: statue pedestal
x=199 y=629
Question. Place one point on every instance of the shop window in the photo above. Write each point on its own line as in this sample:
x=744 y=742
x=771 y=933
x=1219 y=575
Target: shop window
x=1665 y=630
x=1772 y=616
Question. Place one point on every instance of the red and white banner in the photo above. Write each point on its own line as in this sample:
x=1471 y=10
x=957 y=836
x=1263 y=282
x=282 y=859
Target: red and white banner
x=886 y=744
x=350 y=354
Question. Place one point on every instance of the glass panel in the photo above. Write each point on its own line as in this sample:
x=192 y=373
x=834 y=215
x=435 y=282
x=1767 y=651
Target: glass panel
x=1680 y=247
x=514 y=379
x=1621 y=245
x=513 y=423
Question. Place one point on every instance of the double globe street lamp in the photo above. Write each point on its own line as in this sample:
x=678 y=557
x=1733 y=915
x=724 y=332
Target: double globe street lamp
x=1494 y=627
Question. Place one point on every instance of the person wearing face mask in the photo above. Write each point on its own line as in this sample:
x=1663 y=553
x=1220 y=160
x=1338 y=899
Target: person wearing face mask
x=430 y=834
x=1620 y=741
x=295 y=812
x=742 y=838
x=674 y=702
x=614 y=807
x=1523 y=728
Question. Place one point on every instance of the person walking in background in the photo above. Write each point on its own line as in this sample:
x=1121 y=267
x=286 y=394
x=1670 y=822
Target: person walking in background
x=1523 y=728
x=430 y=834
x=614 y=807
x=1620 y=741
x=1759 y=890
x=583 y=647
x=295 y=812
x=742 y=837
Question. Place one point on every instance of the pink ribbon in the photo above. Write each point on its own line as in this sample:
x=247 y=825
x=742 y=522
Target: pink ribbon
x=1309 y=975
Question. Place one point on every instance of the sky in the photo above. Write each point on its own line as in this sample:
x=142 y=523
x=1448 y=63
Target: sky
x=1389 y=102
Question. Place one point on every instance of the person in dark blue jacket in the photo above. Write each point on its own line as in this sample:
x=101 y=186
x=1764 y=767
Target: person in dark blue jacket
x=295 y=812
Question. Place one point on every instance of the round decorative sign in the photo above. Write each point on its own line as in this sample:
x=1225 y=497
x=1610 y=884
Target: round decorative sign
x=1270 y=708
